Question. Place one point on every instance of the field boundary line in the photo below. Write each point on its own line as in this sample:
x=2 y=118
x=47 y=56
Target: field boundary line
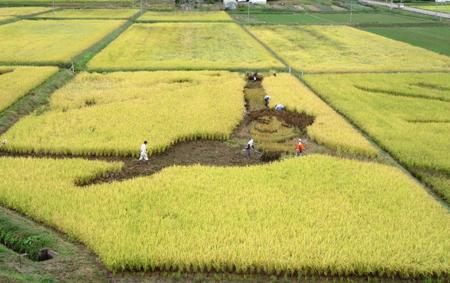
x=68 y=19
x=86 y=55
x=356 y=25
x=183 y=22
x=13 y=19
x=26 y=17
x=33 y=99
x=36 y=64
x=70 y=4
x=273 y=53
x=381 y=72
x=239 y=70
x=23 y=17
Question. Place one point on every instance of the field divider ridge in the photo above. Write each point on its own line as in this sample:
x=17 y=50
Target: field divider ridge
x=273 y=53
x=24 y=17
x=78 y=18
x=71 y=4
x=149 y=69
x=35 y=98
x=183 y=22
x=85 y=56
x=380 y=72
x=37 y=64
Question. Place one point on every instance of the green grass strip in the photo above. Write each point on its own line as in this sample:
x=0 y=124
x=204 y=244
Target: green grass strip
x=20 y=17
x=81 y=60
x=34 y=99
x=23 y=239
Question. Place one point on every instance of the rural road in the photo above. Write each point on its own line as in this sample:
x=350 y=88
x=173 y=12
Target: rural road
x=406 y=8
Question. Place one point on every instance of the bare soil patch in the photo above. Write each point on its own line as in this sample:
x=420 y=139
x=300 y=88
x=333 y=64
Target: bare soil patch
x=212 y=153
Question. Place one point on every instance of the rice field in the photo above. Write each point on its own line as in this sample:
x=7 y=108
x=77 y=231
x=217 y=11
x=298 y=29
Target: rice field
x=18 y=81
x=50 y=42
x=302 y=18
x=318 y=49
x=254 y=219
x=186 y=17
x=435 y=38
x=445 y=8
x=90 y=14
x=112 y=113
x=181 y=46
x=344 y=209
x=415 y=133
x=21 y=11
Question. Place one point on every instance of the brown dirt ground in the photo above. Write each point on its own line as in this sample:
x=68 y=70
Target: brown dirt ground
x=213 y=153
x=6 y=71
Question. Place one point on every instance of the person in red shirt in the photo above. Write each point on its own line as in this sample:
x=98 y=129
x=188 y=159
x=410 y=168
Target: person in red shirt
x=299 y=148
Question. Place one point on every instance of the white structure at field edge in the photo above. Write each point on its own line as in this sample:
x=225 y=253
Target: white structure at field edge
x=232 y=4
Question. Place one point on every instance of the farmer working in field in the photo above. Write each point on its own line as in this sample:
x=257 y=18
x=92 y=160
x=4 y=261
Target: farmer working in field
x=249 y=147
x=279 y=107
x=143 y=155
x=266 y=101
x=299 y=148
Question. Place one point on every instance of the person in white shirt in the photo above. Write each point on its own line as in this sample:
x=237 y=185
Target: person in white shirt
x=249 y=147
x=143 y=155
x=279 y=107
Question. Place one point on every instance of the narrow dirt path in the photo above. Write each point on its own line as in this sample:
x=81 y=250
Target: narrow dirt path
x=212 y=153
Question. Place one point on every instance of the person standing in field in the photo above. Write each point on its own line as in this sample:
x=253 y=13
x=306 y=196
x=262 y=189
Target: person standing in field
x=249 y=147
x=143 y=155
x=299 y=148
x=266 y=101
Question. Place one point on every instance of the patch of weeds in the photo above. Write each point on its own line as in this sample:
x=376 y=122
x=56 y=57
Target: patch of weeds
x=90 y=102
x=22 y=240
